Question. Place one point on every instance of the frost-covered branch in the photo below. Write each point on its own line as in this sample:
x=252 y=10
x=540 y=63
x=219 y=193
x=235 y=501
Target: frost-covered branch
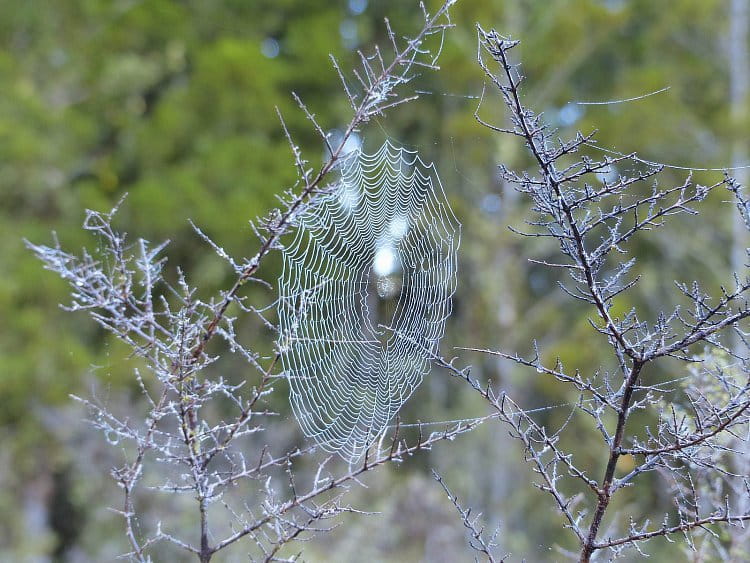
x=593 y=210
x=201 y=435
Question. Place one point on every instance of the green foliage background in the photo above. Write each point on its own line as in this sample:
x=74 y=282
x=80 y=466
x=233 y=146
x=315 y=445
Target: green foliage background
x=173 y=103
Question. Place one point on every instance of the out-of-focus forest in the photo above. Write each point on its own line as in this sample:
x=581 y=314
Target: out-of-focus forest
x=172 y=102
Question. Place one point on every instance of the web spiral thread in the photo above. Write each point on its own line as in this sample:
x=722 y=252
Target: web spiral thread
x=365 y=291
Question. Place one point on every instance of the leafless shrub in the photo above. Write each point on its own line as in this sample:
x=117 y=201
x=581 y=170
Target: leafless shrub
x=702 y=418
x=184 y=442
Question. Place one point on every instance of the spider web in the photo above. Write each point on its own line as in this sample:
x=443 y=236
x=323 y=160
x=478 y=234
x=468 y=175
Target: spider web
x=365 y=291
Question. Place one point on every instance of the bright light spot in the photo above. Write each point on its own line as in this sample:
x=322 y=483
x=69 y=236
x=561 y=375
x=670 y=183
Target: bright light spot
x=384 y=263
x=349 y=34
x=399 y=227
x=270 y=48
x=609 y=175
x=491 y=203
x=353 y=142
x=356 y=7
x=569 y=114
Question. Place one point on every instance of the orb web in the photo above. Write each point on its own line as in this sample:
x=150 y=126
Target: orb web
x=365 y=291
